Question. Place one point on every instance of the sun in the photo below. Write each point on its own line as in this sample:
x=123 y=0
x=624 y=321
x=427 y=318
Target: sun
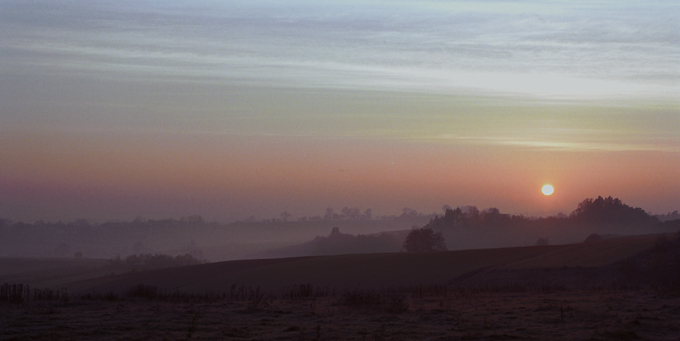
x=547 y=190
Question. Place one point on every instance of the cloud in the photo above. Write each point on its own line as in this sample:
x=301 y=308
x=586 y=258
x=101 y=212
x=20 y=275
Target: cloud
x=572 y=145
x=554 y=51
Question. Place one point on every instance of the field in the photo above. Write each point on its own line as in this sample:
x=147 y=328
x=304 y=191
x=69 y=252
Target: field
x=562 y=292
x=459 y=315
x=369 y=270
x=50 y=272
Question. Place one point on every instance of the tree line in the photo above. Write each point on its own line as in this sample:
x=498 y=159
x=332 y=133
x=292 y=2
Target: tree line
x=591 y=214
x=599 y=211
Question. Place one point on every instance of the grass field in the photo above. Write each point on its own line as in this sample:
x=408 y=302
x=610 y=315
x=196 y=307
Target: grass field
x=534 y=315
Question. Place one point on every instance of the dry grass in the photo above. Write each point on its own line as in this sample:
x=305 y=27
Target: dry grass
x=461 y=315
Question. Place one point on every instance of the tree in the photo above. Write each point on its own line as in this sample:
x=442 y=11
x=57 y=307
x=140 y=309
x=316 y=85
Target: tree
x=350 y=212
x=610 y=211
x=329 y=214
x=368 y=215
x=424 y=240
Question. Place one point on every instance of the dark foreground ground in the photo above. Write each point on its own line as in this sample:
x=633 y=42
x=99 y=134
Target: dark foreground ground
x=625 y=289
x=603 y=314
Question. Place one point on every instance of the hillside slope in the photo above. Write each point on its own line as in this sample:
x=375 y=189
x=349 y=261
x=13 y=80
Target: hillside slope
x=369 y=270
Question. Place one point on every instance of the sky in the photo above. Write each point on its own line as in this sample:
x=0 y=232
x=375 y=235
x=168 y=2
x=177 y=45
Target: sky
x=111 y=110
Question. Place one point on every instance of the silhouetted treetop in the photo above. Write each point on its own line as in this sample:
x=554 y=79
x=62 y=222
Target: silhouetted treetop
x=156 y=261
x=342 y=243
x=609 y=211
x=424 y=240
x=469 y=216
x=670 y=216
x=599 y=214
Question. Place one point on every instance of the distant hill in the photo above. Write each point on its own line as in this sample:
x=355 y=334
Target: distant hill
x=372 y=270
x=338 y=243
x=465 y=227
x=469 y=227
x=192 y=235
x=670 y=216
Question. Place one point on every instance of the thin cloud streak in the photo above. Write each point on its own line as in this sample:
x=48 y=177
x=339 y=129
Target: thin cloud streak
x=588 y=146
x=550 y=50
x=251 y=106
x=572 y=140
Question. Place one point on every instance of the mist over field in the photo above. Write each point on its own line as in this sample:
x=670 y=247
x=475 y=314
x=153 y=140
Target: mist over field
x=347 y=231
x=192 y=235
x=339 y=170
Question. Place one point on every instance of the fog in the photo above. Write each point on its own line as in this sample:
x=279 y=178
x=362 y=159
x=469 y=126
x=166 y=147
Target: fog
x=187 y=235
x=349 y=230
